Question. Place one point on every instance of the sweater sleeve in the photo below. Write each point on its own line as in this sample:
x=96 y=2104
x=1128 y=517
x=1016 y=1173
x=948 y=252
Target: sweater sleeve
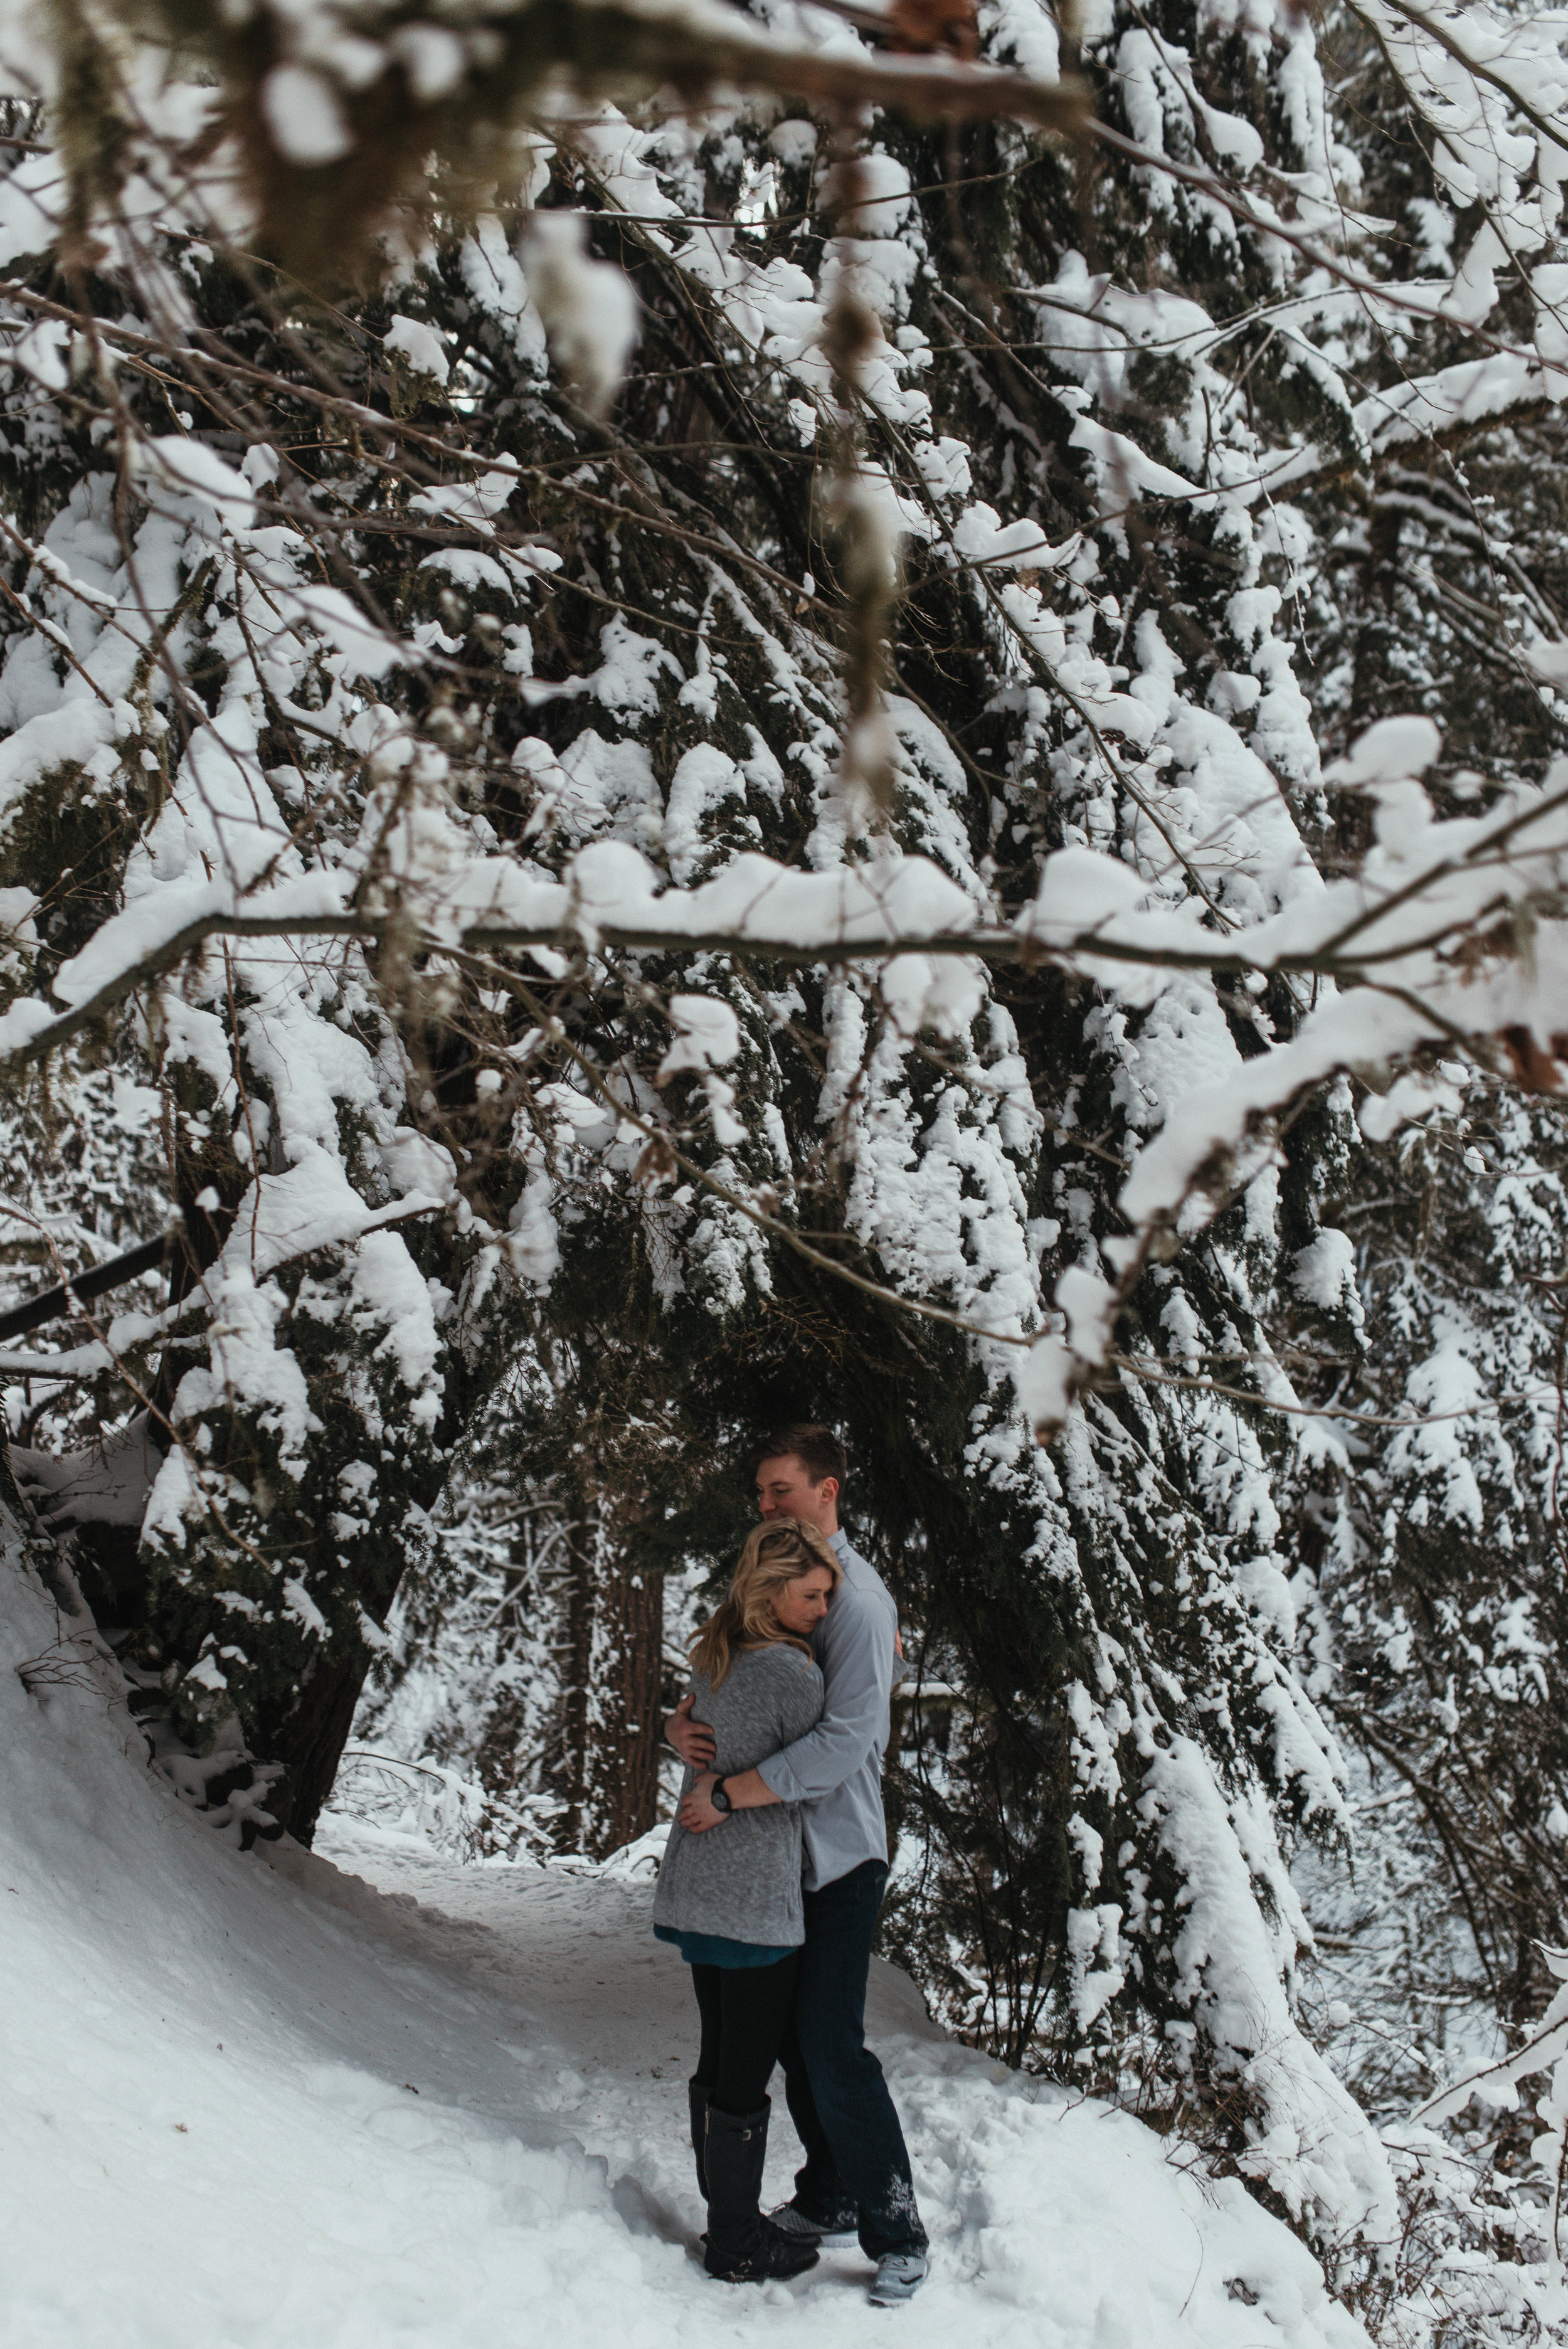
x=795 y=1696
x=859 y=1694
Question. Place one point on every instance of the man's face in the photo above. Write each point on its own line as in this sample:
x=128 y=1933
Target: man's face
x=785 y=1490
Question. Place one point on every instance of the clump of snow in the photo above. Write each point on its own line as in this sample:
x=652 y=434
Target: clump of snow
x=419 y=347
x=433 y=58
x=1392 y=749
x=1048 y=1377
x=941 y=991
x=707 y=1034
x=1384 y=762
x=174 y=463
x=1324 y=1272
x=1412 y=1096
x=302 y=112
x=589 y=309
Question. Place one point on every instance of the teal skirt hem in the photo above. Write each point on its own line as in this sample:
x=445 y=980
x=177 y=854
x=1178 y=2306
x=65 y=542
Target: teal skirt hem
x=716 y=1949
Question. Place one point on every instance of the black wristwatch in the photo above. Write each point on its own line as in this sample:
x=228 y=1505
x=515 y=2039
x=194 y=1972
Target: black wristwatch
x=718 y=1798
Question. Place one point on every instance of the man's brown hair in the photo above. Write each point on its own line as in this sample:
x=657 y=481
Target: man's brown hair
x=817 y=1449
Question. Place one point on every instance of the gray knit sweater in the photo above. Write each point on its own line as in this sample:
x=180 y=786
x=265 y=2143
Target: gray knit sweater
x=742 y=1878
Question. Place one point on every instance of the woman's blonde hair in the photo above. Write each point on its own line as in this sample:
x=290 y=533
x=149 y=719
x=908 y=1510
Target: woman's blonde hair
x=773 y=1554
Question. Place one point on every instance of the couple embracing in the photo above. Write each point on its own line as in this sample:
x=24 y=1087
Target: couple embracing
x=771 y=1882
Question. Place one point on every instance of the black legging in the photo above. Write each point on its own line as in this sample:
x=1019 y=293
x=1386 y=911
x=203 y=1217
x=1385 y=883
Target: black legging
x=743 y=2010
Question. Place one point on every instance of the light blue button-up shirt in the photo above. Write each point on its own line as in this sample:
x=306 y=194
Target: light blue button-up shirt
x=835 y=1770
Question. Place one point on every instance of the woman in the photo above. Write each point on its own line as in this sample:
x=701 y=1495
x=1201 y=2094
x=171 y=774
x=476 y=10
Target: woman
x=731 y=1900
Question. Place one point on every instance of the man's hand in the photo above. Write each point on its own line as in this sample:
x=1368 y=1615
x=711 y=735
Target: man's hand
x=692 y=1740
x=697 y=1814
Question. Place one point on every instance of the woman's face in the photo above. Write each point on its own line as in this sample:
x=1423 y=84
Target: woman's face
x=802 y=1603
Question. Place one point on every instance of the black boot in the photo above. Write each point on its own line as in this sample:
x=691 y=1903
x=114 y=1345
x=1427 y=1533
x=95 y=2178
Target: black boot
x=696 y=2096
x=743 y=2247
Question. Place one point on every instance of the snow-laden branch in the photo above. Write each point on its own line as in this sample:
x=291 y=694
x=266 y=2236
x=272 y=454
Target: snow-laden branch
x=1425 y=939
x=1426 y=886
x=1409 y=921
x=282 y=1219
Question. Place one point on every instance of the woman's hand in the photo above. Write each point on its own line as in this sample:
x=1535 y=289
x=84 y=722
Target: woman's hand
x=692 y=1740
x=697 y=1814
x=749 y=1791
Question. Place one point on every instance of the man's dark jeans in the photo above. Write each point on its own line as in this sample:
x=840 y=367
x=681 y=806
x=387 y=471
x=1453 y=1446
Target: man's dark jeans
x=857 y=2168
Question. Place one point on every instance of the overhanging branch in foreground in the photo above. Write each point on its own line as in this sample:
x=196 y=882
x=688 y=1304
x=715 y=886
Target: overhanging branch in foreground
x=30 y=1030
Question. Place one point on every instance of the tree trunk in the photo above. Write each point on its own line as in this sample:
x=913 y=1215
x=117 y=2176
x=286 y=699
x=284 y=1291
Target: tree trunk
x=621 y=1784
x=310 y=1742
x=608 y=1766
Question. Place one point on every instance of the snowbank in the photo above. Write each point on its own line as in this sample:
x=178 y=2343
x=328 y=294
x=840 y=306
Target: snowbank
x=255 y=2104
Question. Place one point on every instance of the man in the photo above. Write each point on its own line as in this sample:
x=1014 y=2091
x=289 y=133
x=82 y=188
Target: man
x=856 y=2179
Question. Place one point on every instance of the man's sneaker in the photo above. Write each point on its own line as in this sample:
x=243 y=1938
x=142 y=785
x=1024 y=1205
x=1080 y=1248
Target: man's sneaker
x=791 y=2221
x=899 y=2277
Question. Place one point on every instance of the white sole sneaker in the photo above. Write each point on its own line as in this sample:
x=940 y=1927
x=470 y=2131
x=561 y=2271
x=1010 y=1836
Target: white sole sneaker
x=899 y=2277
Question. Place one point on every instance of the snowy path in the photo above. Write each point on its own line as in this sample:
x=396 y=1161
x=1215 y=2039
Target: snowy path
x=268 y=2107
x=610 y=2020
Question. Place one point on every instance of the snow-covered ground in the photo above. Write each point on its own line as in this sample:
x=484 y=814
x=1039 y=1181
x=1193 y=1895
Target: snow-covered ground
x=254 y=2103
